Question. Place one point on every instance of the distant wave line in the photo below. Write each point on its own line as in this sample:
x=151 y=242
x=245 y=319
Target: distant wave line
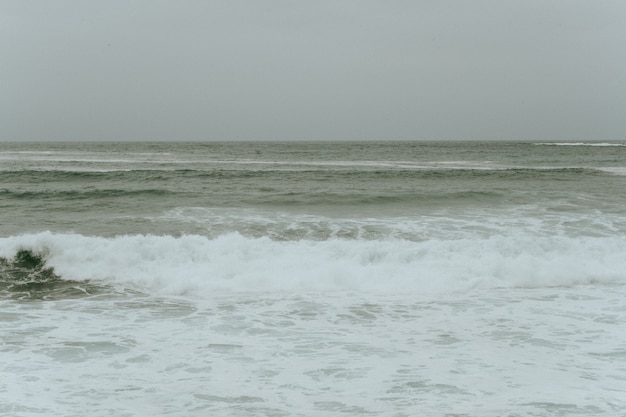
x=599 y=144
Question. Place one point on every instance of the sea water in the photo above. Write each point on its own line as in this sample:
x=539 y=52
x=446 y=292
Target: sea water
x=312 y=279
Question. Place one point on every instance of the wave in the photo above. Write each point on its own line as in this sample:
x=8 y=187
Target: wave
x=446 y=224
x=200 y=266
x=621 y=171
x=159 y=175
x=599 y=144
x=69 y=195
x=269 y=197
x=26 y=276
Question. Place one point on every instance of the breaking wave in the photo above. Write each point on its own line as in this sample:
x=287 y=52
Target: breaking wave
x=26 y=275
x=201 y=266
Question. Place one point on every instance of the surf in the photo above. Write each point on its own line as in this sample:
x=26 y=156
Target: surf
x=196 y=265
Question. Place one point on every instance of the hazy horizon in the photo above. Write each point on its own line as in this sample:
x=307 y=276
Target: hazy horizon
x=330 y=71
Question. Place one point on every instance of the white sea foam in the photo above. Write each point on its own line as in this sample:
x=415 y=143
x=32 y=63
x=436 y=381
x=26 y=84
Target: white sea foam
x=233 y=263
x=613 y=170
x=523 y=352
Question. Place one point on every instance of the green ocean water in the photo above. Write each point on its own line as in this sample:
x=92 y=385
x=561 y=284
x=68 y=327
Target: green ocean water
x=112 y=188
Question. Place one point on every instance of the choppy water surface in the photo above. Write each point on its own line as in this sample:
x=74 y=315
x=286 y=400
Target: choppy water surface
x=389 y=279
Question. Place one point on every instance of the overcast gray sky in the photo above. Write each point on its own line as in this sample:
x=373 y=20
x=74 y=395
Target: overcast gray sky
x=306 y=70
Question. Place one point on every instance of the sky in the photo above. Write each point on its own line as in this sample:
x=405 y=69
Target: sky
x=312 y=70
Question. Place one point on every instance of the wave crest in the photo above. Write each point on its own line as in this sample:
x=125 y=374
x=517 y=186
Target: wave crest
x=26 y=275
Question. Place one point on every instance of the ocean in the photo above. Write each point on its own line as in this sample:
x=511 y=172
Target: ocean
x=313 y=279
